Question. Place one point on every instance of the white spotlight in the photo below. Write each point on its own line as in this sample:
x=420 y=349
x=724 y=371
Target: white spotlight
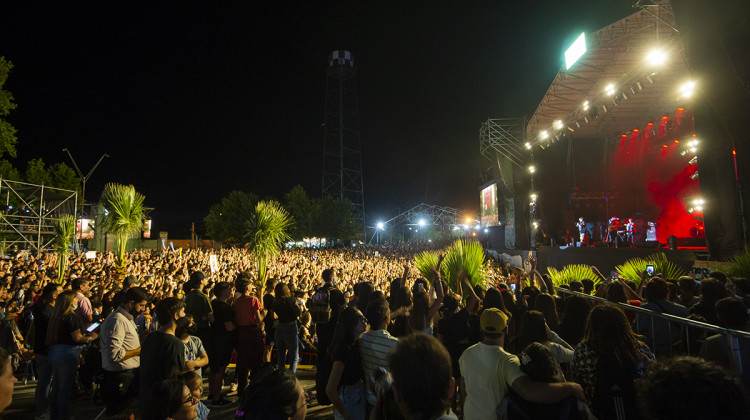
x=532 y=169
x=656 y=57
x=585 y=105
x=380 y=225
x=610 y=89
x=528 y=145
x=422 y=222
x=557 y=125
x=544 y=135
x=534 y=197
x=694 y=160
x=686 y=90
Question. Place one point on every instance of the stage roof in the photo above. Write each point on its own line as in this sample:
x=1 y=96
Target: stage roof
x=616 y=55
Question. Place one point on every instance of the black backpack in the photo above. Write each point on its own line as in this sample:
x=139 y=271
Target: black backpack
x=614 y=390
x=319 y=306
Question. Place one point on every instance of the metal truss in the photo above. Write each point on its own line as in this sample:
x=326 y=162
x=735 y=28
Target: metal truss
x=26 y=218
x=431 y=215
x=616 y=55
x=503 y=137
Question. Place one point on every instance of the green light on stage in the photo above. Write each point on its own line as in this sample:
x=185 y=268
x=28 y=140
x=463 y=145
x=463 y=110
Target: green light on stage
x=575 y=51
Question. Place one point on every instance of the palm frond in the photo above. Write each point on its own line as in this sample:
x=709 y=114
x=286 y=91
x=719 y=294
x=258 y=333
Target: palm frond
x=739 y=265
x=632 y=268
x=123 y=214
x=666 y=268
x=65 y=229
x=266 y=232
x=467 y=255
x=573 y=272
x=424 y=262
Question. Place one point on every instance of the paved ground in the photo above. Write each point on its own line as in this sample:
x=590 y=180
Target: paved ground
x=22 y=407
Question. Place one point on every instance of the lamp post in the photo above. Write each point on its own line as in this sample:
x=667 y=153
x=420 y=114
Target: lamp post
x=83 y=181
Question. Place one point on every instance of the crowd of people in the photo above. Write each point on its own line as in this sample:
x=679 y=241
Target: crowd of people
x=388 y=342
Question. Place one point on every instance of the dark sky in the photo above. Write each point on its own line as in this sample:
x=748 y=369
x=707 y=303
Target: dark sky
x=193 y=100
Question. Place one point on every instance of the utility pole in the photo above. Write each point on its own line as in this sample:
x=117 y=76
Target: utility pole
x=83 y=181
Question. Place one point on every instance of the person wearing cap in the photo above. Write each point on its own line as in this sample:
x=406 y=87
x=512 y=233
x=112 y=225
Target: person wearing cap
x=129 y=282
x=483 y=391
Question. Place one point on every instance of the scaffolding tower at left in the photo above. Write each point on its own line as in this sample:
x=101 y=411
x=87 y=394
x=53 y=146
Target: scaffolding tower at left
x=27 y=212
x=342 y=158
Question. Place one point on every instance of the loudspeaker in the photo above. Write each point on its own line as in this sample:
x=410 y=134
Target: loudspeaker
x=672 y=242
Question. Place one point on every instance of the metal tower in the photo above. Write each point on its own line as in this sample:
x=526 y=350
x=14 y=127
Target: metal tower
x=342 y=156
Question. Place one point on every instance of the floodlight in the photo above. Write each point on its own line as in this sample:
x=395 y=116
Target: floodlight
x=557 y=124
x=686 y=90
x=656 y=57
x=535 y=224
x=528 y=145
x=422 y=222
x=380 y=225
x=532 y=169
x=544 y=134
x=694 y=160
x=468 y=220
x=575 y=51
x=698 y=202
x=486 y=230
x=534 y=197
x=585 y=105
x=610 y=89
x=694 y=176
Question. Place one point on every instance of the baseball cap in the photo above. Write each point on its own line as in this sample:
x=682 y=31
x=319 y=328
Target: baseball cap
x=493 y=321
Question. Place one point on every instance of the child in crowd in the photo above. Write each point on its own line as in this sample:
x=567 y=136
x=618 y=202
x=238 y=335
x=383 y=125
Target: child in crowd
x=195 y=384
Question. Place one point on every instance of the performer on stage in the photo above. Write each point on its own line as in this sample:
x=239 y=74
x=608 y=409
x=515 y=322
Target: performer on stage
x=630 y=229
x=581 y=225
x=614 y=226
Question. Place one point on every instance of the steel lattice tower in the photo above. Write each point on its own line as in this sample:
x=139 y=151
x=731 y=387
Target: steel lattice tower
x=342 y=158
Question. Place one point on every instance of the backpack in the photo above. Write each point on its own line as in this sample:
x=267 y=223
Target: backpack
x=321 y=380
x=614 y=390
x=319 y=306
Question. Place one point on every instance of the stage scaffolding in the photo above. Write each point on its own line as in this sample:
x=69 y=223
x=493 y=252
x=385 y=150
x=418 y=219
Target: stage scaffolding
x=27 y=213
x=431 y=215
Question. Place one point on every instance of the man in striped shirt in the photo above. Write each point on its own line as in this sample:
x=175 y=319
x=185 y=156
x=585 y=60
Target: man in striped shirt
x=375 y=345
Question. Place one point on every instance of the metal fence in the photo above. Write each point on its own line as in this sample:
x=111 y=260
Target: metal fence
x=679 y=331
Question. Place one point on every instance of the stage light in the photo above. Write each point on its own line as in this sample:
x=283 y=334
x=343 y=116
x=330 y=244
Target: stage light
x=557 y=125
x=693 y=149
x=380 y=225
x=687 y=89
x=544 y=135
x=528 y=145
x=694 y=160
x=656 y=57
x=585 y=105
x=535 y=224
x=571 y=129
x=698 y=202
x=532 y=169
x=578 y=125
x=604 y=107
x=610 y=89
x=693 y=143
x=422 y=222
x=534 y=197
x=640 y=86
x=486 y=230
x=694 y=176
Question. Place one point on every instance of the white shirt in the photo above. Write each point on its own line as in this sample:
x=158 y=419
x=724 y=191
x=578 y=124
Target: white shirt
x=484 y=391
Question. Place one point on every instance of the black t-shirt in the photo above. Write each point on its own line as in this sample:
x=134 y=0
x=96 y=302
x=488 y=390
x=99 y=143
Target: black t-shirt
x=222 y=313
x=68 y=324
x=286 y=309
x=42 y=316
x=162 y=357
x=350 y=357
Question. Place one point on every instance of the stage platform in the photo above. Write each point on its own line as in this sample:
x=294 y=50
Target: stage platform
x=605 y=259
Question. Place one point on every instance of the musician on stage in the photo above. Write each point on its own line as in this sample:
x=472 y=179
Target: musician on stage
x=630 y=229
x=581 y=225
x=614 y=226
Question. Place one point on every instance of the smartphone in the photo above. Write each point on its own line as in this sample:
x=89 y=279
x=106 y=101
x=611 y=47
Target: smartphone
x=93 y=326
x=650 y=270
x=698 y=274
x=513 y=287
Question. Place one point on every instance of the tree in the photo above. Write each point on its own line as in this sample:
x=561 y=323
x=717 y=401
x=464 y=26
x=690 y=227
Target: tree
x=7 y=131
x=7 y=171
x=266 y=232
x=65 y=229
x=304 y=210
x=336 y=218
x=63 y=176
x=123 y=216
x=36 y=173
x=226 y=221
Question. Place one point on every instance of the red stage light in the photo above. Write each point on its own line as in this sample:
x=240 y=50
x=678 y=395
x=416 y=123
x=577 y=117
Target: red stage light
x=664 y=146
x=650 y=124
x=624 y=135
x=635 y=130
x=676 y=141
x=664 y=117
x=680 y=109
x=734 y=153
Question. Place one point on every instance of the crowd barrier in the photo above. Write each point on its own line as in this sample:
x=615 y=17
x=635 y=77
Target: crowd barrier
x=681 y=341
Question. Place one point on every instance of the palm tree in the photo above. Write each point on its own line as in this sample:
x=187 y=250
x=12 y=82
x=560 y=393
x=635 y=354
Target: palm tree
x=266 y=232
x=123 y=215
x=65 y=228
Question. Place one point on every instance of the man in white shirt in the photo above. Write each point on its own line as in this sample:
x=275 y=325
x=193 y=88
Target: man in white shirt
x=121 y=348
x=484 y=391
x=375 y=345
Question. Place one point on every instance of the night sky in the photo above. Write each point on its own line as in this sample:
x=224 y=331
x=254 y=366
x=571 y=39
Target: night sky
x=193 y=100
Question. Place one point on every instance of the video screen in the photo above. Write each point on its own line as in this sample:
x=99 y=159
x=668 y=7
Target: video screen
x=488 y=203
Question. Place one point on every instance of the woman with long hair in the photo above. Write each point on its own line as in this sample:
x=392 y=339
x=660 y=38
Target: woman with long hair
x=610 y=357
x=273 y=395
x=534 y=329
x=287 y=334
x=572 y=326
x=43 y=310
x=346 y=388
x=65 y=338
x=546 y=304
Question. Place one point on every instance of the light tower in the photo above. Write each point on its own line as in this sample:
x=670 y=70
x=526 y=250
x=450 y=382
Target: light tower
x=342 y=155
